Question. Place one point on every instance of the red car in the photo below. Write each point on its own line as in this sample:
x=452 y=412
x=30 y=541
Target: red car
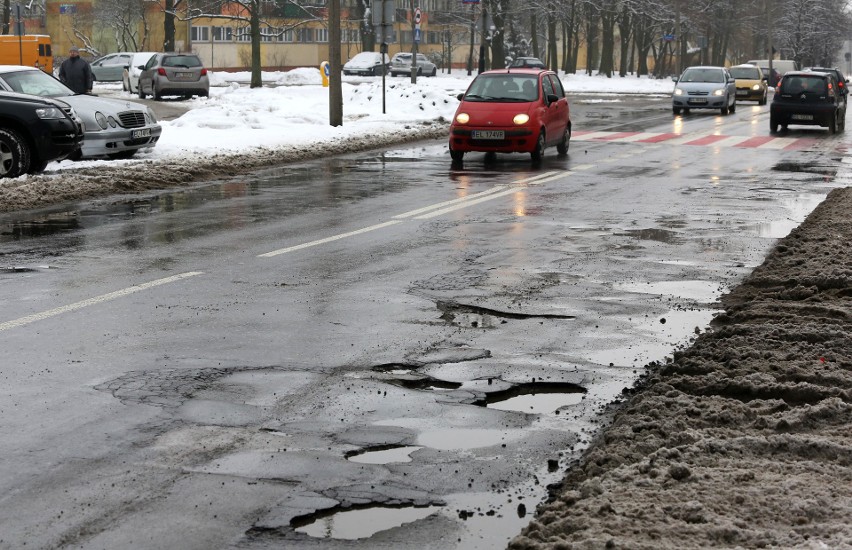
x=512 y=111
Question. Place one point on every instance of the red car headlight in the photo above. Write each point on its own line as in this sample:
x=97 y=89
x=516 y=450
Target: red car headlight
x=521 y=119
x=462 y=118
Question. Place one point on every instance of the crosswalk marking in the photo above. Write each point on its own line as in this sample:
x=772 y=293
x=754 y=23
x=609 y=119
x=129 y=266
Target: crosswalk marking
x=706 y=140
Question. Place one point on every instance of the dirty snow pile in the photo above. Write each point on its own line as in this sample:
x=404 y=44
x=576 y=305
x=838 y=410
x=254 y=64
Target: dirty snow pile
x=745 y=439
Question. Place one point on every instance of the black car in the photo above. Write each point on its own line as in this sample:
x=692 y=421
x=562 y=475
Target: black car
x=810 y=98
x=842 y=81
x=34 y=131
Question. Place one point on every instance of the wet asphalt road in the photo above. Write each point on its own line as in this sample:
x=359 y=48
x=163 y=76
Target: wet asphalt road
x=201 y=369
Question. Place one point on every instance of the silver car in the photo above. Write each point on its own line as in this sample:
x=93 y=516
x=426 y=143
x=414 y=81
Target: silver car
x=111 y=127
x=705 y=88
x=180 y=74
x=401 y=65
x=109 y=68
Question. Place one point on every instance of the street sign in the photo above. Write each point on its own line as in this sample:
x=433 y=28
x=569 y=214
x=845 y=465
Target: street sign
x=470 y=1
x=418 y=15
x=668 y=37
x=417 y=35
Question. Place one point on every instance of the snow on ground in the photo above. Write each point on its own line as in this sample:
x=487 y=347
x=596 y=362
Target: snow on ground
x=293 y=109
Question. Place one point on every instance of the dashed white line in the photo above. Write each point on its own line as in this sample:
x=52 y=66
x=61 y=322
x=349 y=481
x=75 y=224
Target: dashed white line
x=93 y=301
x=328 y=239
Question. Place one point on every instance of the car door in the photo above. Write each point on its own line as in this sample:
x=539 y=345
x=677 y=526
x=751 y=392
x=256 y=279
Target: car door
x=556 y=113
x=147 y=75
x=731 y=84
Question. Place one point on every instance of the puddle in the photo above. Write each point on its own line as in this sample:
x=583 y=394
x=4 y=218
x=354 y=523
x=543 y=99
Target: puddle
x=798 y=207
x=807 y=167
x=652 y=338
x=456 y=439
x=541 y=398
x=362 y=523
x=467 y=315
x=383 y=455
x=653 y=234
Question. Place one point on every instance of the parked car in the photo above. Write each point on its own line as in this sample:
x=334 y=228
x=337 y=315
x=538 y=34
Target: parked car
x=367 y=64
x=111 y=127
x=532 y=62
x=512 y=111
x=704 y=88
x=34 y=131
x=809 y=98
x=171 y=74
x=842 y=81
x=110 y=68
x=750 y=83
x=130 y=76
x=401 y=65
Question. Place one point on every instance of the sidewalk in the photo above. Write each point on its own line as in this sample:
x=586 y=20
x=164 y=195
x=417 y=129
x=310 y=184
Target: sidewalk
x=745 y=439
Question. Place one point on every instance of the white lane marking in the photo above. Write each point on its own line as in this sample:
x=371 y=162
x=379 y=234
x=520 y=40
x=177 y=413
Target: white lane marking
x=777 y=143
x=450 y=202
x=93 y=301
x=583 y=167
x=468 y=203
x=329 y=239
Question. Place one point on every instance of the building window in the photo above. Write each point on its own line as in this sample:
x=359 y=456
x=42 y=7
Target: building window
x=200 y=34
x=243 y=35
x=223 y=34
x=321 y=35
x=305 y=35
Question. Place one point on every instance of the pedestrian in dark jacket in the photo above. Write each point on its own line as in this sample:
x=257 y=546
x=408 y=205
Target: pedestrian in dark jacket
x=76 y=73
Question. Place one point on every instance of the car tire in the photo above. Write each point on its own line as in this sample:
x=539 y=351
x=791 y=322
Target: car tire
x=773 y=125
x=36 y=166
x=124 y=86
x=762 y=101
x=685 y=111
x=562 y=146
x=725 y=109
x=832 y=125
x=434 y=71
x=140 y=93
x=14 y=154
x=676 y=110
x=733 y=108
x=537 y=153
x=457 y=156
x=155 y=94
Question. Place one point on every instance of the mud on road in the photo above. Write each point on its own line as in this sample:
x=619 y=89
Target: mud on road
x=744 y=440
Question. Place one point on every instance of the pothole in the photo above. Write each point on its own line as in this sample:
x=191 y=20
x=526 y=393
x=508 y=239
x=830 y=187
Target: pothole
x=385 y=454
x=482 y=317
x=535 y=398
x=808 y=167
x=406 y=377
x=359 y=523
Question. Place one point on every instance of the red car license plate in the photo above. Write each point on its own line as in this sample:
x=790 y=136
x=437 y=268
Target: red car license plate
x=488 y=134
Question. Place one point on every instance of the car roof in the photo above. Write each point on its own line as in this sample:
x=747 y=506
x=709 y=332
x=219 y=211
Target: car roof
x=517 y=70
x=15 y=68
x=808 y=73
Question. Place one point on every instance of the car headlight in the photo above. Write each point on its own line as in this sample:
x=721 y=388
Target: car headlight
x=679 y=91
x=521 y=119
x=152 y=117
x=755 y=87
x=48 y=113
x=112 y=122
x=101 y=120
x=720 y=91
x=462 y=118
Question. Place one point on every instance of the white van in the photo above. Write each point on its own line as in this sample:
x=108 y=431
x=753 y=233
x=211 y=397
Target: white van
x=780 y=65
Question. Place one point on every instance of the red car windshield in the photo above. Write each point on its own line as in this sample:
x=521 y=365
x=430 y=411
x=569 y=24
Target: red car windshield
x=504 y=87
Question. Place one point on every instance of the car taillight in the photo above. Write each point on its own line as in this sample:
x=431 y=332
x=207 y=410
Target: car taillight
x=839 y=84
x=203 y=72
x=161 y=71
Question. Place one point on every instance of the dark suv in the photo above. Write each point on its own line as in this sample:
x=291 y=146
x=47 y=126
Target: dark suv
x=842 y=81
x=807 y=97
x=34 y=131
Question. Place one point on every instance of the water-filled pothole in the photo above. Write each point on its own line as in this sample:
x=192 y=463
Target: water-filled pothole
x=383 y=455
x=360 y=523
x=535 y=398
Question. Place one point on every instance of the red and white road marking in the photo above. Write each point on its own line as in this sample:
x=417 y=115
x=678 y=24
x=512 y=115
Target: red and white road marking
x=670 y=138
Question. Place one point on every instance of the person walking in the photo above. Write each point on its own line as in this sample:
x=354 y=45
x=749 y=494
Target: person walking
x=76 y=73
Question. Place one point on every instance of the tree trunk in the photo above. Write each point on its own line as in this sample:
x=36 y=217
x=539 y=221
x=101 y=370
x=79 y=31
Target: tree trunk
x=552 y=51
x=169 y=27
x=498 y=43
x=624 y=27
x=607 y=43
x=256 y=67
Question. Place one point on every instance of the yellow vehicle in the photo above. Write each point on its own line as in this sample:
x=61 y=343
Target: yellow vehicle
x=751 y=85
x=32 y=50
